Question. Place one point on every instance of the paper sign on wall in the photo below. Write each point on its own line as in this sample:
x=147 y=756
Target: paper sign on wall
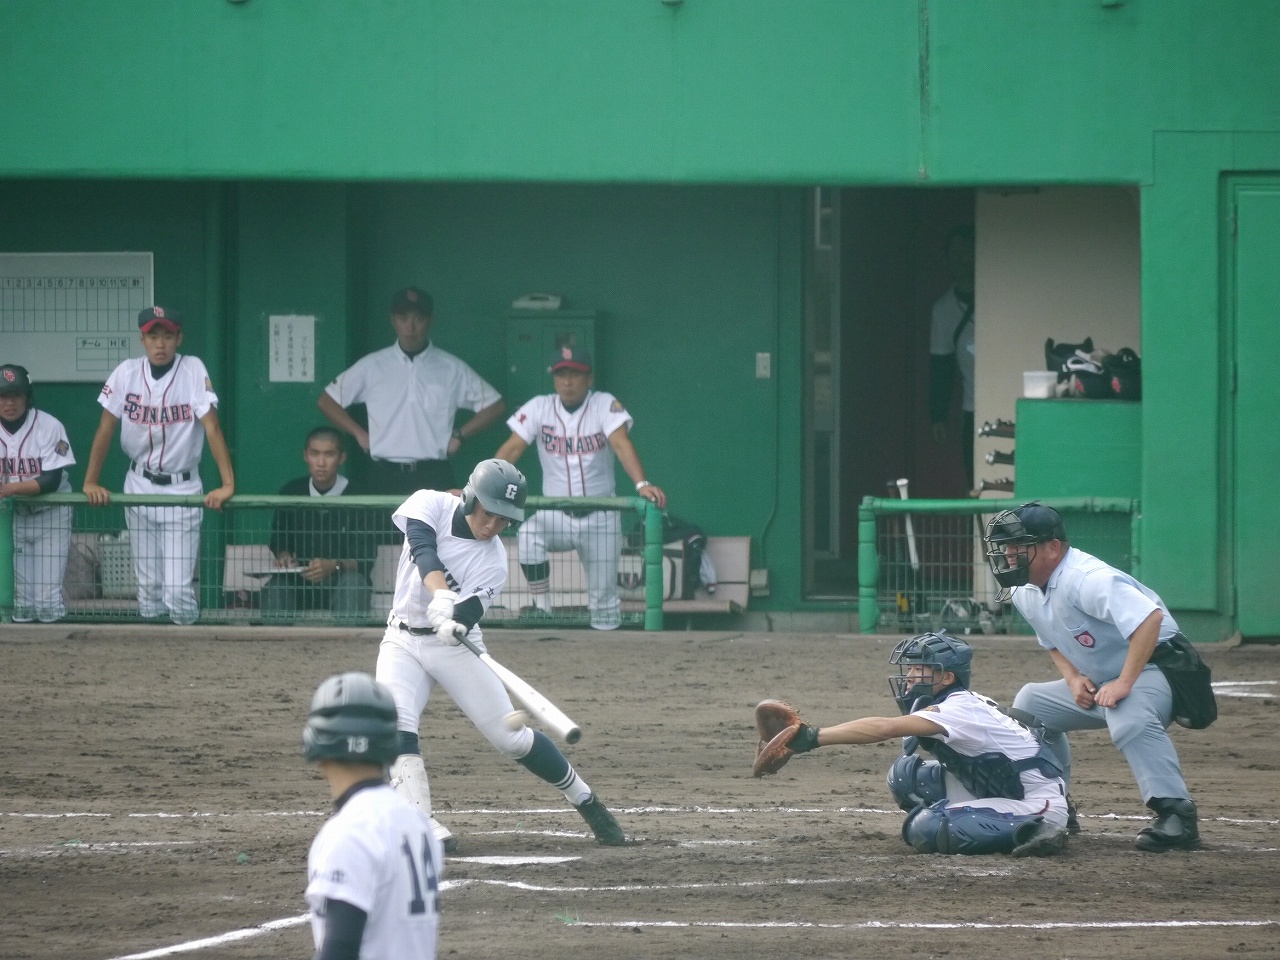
x=293 y=349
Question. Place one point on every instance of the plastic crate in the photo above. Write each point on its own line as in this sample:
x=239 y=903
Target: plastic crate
x=115 y=561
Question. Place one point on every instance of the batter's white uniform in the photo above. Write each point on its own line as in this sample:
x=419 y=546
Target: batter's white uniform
x=577 y=461
x=161 y=432
x=975 y=726
x=411 y=401
x=41 y=533
x=410 y=664
x=378 y=854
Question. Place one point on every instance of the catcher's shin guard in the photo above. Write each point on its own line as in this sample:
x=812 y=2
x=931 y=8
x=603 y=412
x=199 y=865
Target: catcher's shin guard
x=915 y=782
x=409 y=779
x=976 y=830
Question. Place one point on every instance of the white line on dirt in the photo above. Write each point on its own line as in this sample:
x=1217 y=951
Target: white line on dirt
x=229 y=937
x=893 y=925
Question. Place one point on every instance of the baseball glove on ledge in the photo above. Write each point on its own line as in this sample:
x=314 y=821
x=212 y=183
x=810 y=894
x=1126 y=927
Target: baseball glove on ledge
x=782 y=735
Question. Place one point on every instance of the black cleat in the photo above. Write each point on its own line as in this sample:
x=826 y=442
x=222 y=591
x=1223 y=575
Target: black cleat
x=601 y=822
x=1044 y=841
x=1073 y=819
x=1175 y=826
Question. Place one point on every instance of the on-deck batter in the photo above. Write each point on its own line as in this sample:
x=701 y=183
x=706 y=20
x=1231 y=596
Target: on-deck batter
x=165 y=406
x=578 y=432
x=452 y=567
x=34 y=456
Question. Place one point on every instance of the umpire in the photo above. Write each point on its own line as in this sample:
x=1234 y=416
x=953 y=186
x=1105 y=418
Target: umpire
x=1101 y=627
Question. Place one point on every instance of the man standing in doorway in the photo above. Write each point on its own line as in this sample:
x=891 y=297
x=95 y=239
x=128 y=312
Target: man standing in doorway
x=952 y=345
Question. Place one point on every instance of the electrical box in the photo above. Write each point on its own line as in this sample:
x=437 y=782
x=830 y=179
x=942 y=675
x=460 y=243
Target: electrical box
x=532 y=336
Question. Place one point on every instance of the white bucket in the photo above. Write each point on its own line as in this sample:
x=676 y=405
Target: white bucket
x=1039 y=384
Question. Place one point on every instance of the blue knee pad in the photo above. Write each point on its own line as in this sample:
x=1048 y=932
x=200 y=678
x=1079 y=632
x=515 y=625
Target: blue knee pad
x=965 y=830
x=914 y=781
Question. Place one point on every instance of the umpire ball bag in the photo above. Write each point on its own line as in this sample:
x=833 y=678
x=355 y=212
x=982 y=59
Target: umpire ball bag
x=1194 y=705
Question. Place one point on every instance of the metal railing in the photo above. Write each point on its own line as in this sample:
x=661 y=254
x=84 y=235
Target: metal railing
x=235 y=562
x=922 y=565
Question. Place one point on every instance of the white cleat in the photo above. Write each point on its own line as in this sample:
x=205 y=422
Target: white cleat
x=444 y=835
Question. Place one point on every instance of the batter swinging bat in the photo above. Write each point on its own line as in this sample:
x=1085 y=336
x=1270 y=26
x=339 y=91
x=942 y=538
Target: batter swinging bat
x=543 y=711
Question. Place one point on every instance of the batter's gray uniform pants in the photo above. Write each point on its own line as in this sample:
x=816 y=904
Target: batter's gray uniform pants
x=1137 y=725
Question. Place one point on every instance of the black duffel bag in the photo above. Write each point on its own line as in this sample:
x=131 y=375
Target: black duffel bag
x=1189 y=678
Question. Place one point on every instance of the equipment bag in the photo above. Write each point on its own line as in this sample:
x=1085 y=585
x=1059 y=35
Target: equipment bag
x=631 y=579
x=1189 y=678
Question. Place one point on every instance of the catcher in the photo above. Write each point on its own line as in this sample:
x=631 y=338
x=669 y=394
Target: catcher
x=992 y=787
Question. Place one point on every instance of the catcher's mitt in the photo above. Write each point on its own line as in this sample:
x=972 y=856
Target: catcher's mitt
x=782 y=734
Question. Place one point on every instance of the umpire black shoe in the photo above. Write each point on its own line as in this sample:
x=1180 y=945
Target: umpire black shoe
x=1175 y=826
x=1044 y=841
x=1073 y=817
x=601 y=822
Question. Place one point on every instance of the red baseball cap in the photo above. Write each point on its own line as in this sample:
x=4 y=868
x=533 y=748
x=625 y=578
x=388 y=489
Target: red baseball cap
x=159 y=317
x=570 y=358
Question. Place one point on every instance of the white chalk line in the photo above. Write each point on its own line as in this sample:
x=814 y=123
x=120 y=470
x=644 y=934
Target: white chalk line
x=893 y=925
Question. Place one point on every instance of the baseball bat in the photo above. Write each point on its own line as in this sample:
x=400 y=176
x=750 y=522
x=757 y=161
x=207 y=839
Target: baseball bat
x=911 y=533
x=542 y=710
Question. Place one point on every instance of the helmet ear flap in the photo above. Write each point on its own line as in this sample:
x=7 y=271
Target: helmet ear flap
x=468 y=501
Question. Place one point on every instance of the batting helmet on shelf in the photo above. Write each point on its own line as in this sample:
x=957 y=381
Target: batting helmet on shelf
x=1023 y=528
x=499 y=487
x=939 y=651
x=353 y=719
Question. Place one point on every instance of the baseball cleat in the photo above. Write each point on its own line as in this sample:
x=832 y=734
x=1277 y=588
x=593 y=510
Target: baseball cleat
x=444 y=835
x=601 y=822
x=1073 y=817
x=1175 y=826
x=1044 y=841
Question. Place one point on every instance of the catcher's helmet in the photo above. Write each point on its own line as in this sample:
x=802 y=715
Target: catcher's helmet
x=353 y=718
x=499 y=487
x=936 y=650
x=1030 y=524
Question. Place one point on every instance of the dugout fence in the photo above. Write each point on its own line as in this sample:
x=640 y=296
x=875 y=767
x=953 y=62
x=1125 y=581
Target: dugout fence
x=236 y=568
x=922 y=563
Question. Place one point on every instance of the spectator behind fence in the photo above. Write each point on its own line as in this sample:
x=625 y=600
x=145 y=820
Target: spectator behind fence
x=334 y=547
x=412 y=392
x=165 y=406
x=952 y=345
x=578 y=432
x=34 y=456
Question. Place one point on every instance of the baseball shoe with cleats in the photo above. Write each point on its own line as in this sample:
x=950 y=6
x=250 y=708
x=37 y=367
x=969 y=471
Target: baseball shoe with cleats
x=1073 y=816
x=601 y=822
x=444 y=835
x=1044 y=841
x=1175 y=826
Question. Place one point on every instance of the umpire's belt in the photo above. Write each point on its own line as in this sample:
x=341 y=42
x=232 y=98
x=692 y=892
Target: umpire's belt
x=416 y=631
x=160 y=479
x=412 y=466
x=580 y=512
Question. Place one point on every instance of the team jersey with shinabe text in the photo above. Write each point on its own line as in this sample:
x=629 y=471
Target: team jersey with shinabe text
x=379 y=854
x=473 y=568
x=573 y=448
x=975 y=726
x=160 y=426
x=411 y=401
x=1087 y=612
x=37 y=446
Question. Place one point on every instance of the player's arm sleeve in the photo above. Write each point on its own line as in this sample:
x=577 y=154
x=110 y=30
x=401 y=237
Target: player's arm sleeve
x=348 y=387
x=49 y=480
x=477 y=392
x=204 y=399
x=343 y=931
x=524 y=422
x=1108 y=597
x=422 y=546
x=468 y=612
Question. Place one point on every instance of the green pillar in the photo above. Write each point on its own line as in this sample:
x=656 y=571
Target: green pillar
x=868 y=569
x=6 y=558
x=652 y=565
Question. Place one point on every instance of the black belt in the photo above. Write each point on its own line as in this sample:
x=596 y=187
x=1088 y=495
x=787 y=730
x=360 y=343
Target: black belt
x=161 y=479
x=411 y=467
x=416 y=631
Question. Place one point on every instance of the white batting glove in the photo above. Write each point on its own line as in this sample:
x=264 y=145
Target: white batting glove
x=440 y=608
x=452 y=632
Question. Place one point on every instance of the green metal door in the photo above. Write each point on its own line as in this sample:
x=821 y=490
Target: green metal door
x=1256 y=440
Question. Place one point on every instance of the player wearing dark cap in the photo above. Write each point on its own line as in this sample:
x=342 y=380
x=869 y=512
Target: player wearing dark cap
x=1102 y=628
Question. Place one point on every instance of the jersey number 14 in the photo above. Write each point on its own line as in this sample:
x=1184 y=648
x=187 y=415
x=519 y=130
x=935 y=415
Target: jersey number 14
x=419 y=904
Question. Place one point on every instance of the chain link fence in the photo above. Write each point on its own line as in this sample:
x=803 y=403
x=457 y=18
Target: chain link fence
x=293 y=560
x=922 y=563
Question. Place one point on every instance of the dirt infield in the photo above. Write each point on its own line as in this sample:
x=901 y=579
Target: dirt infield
x=154 y=794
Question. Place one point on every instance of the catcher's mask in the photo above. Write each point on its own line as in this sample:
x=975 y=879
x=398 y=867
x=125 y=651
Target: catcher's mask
x=353 y=719
x=1012 y=537
x=921 y=662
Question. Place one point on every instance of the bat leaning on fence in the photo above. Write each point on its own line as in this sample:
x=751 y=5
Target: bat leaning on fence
x=543 y=712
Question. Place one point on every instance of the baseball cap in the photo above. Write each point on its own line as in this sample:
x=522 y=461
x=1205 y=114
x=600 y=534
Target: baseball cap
x=1041 y=522
x=14 y=379
x=159 y=317
x=412 y=300
x=570 y=358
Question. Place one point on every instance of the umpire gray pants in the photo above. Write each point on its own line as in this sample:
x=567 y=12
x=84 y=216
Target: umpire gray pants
x=1137 y=725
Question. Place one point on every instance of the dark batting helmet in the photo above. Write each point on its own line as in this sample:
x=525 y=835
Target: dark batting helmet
x=936 y=650
x=1023 y=528
x=353 y=719
x=499 y=487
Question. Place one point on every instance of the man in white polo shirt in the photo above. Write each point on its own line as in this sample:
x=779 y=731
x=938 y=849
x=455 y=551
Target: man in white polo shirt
x=412 y=391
